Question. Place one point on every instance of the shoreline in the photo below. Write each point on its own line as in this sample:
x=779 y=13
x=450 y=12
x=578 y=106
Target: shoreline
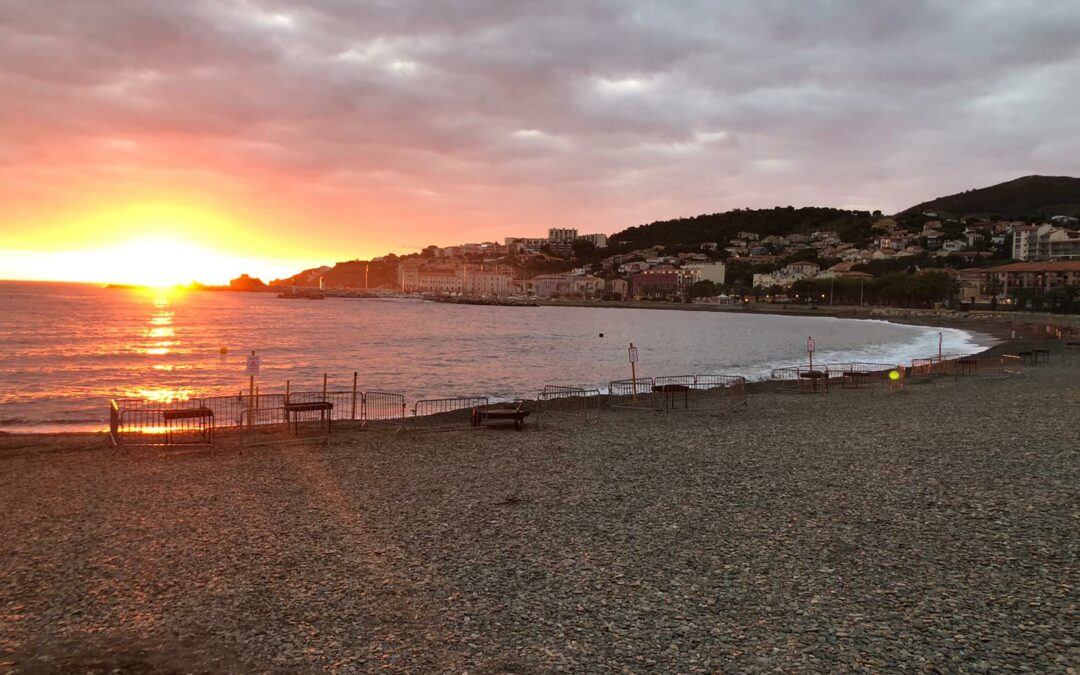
x=998 y=328
x=930 y=317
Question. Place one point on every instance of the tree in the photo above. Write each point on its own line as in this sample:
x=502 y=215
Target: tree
x=704 y=289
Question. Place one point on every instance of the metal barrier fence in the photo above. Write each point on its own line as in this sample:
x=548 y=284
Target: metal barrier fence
x=700 y=392
x=343 y=402
x=984 y=365
x=678 y=392
x=800 y=379
x=146 y=422
x=447 y=414
x=383 y=408
x=230 y=411
x=568 y=403
x=636 y=394
x=1031 y=353
x=944 y=364
x=858 y=374
x=141 y=422
x=259 y=425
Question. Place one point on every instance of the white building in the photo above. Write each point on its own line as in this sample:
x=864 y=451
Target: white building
x=486 y=281
x=788 y=275
x=715 y=272
x=1045 y=242
x=597 y=240
x=562 y=235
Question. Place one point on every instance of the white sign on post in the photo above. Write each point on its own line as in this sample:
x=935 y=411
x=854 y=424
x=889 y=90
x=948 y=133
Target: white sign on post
x=633 y=355
x=810 y=345
x=253 y=362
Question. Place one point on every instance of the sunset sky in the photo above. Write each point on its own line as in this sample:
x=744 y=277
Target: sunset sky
x=149 y=141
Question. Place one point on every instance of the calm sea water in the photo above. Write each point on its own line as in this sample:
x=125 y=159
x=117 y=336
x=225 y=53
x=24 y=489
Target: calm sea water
x=66 y=349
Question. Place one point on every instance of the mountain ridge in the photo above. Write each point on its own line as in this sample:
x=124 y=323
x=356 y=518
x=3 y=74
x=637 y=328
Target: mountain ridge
x=1024 y=197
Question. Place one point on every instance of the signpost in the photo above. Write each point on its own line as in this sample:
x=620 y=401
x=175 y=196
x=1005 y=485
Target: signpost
x=632 y=353
x=939 y=340
x=253 y=363
x=810 y=351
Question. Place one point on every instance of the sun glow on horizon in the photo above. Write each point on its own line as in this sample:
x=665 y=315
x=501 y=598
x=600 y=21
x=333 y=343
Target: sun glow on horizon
x=156 y=246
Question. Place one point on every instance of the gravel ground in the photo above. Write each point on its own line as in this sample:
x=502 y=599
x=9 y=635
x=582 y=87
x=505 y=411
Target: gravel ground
x=930 y=530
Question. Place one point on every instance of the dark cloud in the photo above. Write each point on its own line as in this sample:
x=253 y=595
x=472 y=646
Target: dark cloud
x=602 y=113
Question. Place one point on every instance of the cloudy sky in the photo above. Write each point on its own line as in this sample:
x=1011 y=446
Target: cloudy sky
x=334 y=129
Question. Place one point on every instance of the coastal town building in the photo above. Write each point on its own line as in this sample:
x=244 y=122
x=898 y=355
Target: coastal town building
x=418 y=275
x=486 y=281
x=617 y=287
x=658 y=282
x=1045 y=242
x=559 y=239
x=1008 y=281
x=707 y=271
x=787 y=275
x=525 y=244
x=564 y=285
x=597 y=240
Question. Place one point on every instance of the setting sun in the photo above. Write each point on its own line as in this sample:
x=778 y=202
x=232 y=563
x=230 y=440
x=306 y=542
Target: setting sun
x=154 y=244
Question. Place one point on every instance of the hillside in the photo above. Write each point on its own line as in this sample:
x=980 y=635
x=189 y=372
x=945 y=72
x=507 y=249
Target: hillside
x=720 y=227
x=350 y=274
x=1020 y=198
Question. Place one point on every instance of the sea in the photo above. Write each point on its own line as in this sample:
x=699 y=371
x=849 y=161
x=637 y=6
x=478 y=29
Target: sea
x=67 y=349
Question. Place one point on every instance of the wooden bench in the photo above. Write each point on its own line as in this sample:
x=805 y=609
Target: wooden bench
x=966 y=366
x=1034 y=356
x=202 y=415
x=857 y=379
x=814 y=377
x=324 y=408
x=516 y=413
x=670 y=390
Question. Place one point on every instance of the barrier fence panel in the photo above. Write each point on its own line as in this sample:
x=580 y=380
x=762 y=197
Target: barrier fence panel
x=989 y=365
x=568 y=403
x=700 y=392
x=837 y=371
x=447 y=414
x=923 y=367
x=160 y=423
x=341 y=400
x=859 y=375
x=1031 y=353
x=800 y=379
x=633 y=394
x=229 y=411
x=945 y=364
x=299 y=421
x=875 y=373
x=263 y=417
x=383 y=408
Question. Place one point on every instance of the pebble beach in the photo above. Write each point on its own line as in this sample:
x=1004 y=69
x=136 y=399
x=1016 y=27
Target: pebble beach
x=929 y=530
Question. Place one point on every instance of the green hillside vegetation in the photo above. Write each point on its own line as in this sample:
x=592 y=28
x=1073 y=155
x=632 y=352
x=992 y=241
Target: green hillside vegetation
x=720 y=227
x=1027 y=197
x=350 y=274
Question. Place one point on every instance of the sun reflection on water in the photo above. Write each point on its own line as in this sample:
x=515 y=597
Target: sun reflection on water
x=160 y=394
